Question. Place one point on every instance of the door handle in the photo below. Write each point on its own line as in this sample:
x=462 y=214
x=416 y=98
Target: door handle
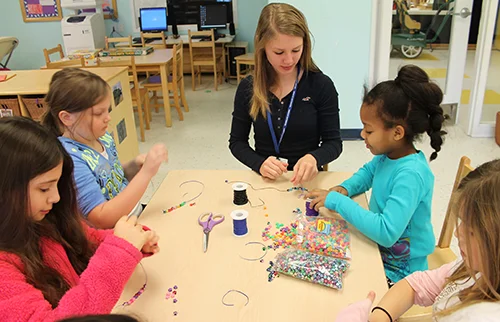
x=464 y=13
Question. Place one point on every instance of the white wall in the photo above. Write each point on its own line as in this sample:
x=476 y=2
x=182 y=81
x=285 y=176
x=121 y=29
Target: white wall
x=341 y=31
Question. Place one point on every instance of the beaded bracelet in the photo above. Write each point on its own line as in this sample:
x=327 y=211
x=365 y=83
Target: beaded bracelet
x=383 y=310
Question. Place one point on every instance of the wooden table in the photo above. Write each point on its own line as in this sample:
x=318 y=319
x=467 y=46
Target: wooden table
x=157 y=61
x=246 y=59
x=121 y=126
x=203 y=278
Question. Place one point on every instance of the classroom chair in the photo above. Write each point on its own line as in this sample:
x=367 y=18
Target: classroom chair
x=442 y=253
x=149 y=35
x=50 y=51
x=205 y=59
x=114 y=40
x=78 y=62
x=175 y=83
x=139 y=95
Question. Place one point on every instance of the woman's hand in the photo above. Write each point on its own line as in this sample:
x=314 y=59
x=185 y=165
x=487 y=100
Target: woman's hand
x=272 y=168
x=304 y=170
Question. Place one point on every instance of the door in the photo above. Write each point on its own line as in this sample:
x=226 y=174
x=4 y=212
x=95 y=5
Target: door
x=432 y=35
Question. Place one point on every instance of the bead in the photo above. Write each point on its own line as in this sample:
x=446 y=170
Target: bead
x=175 y=313
x=170 y=289
x=175 y=287
x=174 y=292
x=175 y=301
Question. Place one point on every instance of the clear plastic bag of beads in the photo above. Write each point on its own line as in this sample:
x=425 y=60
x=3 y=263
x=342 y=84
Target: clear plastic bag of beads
x=323 y=236
x=323 y=270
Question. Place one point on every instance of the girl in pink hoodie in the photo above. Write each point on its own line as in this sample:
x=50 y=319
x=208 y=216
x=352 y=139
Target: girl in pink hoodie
x=53 y=266
x=461 y=291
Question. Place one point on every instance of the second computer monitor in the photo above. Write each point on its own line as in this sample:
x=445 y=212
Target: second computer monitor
x=153 y=19
x=213 y=16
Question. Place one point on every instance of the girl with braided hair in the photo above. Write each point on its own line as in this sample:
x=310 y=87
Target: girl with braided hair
x=395 y=113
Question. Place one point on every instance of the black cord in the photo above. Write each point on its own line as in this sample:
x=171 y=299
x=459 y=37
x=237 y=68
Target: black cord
x=383 y=310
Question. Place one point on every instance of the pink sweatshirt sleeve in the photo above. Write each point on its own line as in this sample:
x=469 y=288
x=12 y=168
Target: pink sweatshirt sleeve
x=96 y=236
x=98 y=291
x=428 y=284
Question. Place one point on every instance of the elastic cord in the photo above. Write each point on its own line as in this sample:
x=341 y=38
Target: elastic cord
x=383 y=310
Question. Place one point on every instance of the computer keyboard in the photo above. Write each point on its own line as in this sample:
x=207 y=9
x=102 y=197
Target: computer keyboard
x=200 y=37
x=137 y=40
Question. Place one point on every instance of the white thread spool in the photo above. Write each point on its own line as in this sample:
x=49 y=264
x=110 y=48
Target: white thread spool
x=240 y=227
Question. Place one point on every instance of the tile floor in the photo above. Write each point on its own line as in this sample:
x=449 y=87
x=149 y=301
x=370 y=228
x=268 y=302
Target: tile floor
x=201 y=142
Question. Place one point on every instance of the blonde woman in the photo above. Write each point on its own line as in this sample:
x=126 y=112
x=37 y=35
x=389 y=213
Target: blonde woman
x=291 y=104
x=461 y=291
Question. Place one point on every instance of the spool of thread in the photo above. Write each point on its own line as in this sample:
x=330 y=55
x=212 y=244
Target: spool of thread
x=240 y=228
x=310 y=212
x=240 y=194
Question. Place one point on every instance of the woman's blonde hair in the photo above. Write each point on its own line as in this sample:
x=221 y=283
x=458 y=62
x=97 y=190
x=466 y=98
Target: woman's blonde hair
x=276 y=18
x=478 y=206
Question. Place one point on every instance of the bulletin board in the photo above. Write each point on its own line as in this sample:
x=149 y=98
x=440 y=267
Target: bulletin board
x=40 y=10
x=109 y=8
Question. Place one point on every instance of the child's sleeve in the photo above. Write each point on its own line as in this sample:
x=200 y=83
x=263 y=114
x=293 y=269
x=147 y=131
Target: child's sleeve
x=429 y=284
x=384 y=228
x=97 y=292
x=362 y=180
x=88 y=190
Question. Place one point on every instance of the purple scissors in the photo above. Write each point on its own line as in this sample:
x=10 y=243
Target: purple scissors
x=207 y=225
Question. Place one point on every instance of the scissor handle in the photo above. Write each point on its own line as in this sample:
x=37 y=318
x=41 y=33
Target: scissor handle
x=211 y=221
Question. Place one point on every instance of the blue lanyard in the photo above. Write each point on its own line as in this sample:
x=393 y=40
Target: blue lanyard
x=270 y=122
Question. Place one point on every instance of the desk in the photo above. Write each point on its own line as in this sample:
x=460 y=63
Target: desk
x=203 y=278
x=219 y=43
x=36 y=82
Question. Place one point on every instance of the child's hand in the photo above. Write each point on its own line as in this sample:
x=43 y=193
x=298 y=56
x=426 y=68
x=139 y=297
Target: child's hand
x=318 y=197
x=358 y=311
x=272 y=168
x=154 y=159
x=128 y=229
x=151 y=246
x=304 y=170
x=339 y=189
x=139 y=160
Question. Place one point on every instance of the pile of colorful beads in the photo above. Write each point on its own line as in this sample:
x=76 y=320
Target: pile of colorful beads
x=172 y=292
x=182 y=204
x=326 y=236
x=284 y=237
x=297 y=188
x=323 y=270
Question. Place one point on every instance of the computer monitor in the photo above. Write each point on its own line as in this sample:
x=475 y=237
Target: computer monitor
x=213 y=16
x=153 y=19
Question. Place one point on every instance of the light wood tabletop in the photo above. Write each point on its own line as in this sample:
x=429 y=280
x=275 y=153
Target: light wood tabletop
x=28 y=82
x=203 y=278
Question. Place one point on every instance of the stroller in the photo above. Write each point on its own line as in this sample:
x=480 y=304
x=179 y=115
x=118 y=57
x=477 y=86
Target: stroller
x=7 y=46
x=410 y=39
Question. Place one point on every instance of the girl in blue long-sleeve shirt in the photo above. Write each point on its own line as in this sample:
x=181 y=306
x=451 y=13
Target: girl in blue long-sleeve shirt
x=394 y=114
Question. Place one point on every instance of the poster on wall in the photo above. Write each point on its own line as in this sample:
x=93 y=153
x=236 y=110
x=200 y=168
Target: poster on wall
x=40 y=10
x=109 y=8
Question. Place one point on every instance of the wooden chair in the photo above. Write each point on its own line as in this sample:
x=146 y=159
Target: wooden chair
x=79 y=62
x=205 y=59
x=442 y=253
x=245 y=59
x=149 y=35
x=50 y=51
x=175 y=83
x=114 y=40
x=139 y=95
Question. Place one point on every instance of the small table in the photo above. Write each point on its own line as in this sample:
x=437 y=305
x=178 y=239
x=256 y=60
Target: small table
x=246 y=59
x=203 y=278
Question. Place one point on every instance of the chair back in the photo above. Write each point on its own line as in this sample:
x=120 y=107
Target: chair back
x=114 y=40
x=50 y=51
x=464 y=168
x=149 y=35
x=79 y=62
